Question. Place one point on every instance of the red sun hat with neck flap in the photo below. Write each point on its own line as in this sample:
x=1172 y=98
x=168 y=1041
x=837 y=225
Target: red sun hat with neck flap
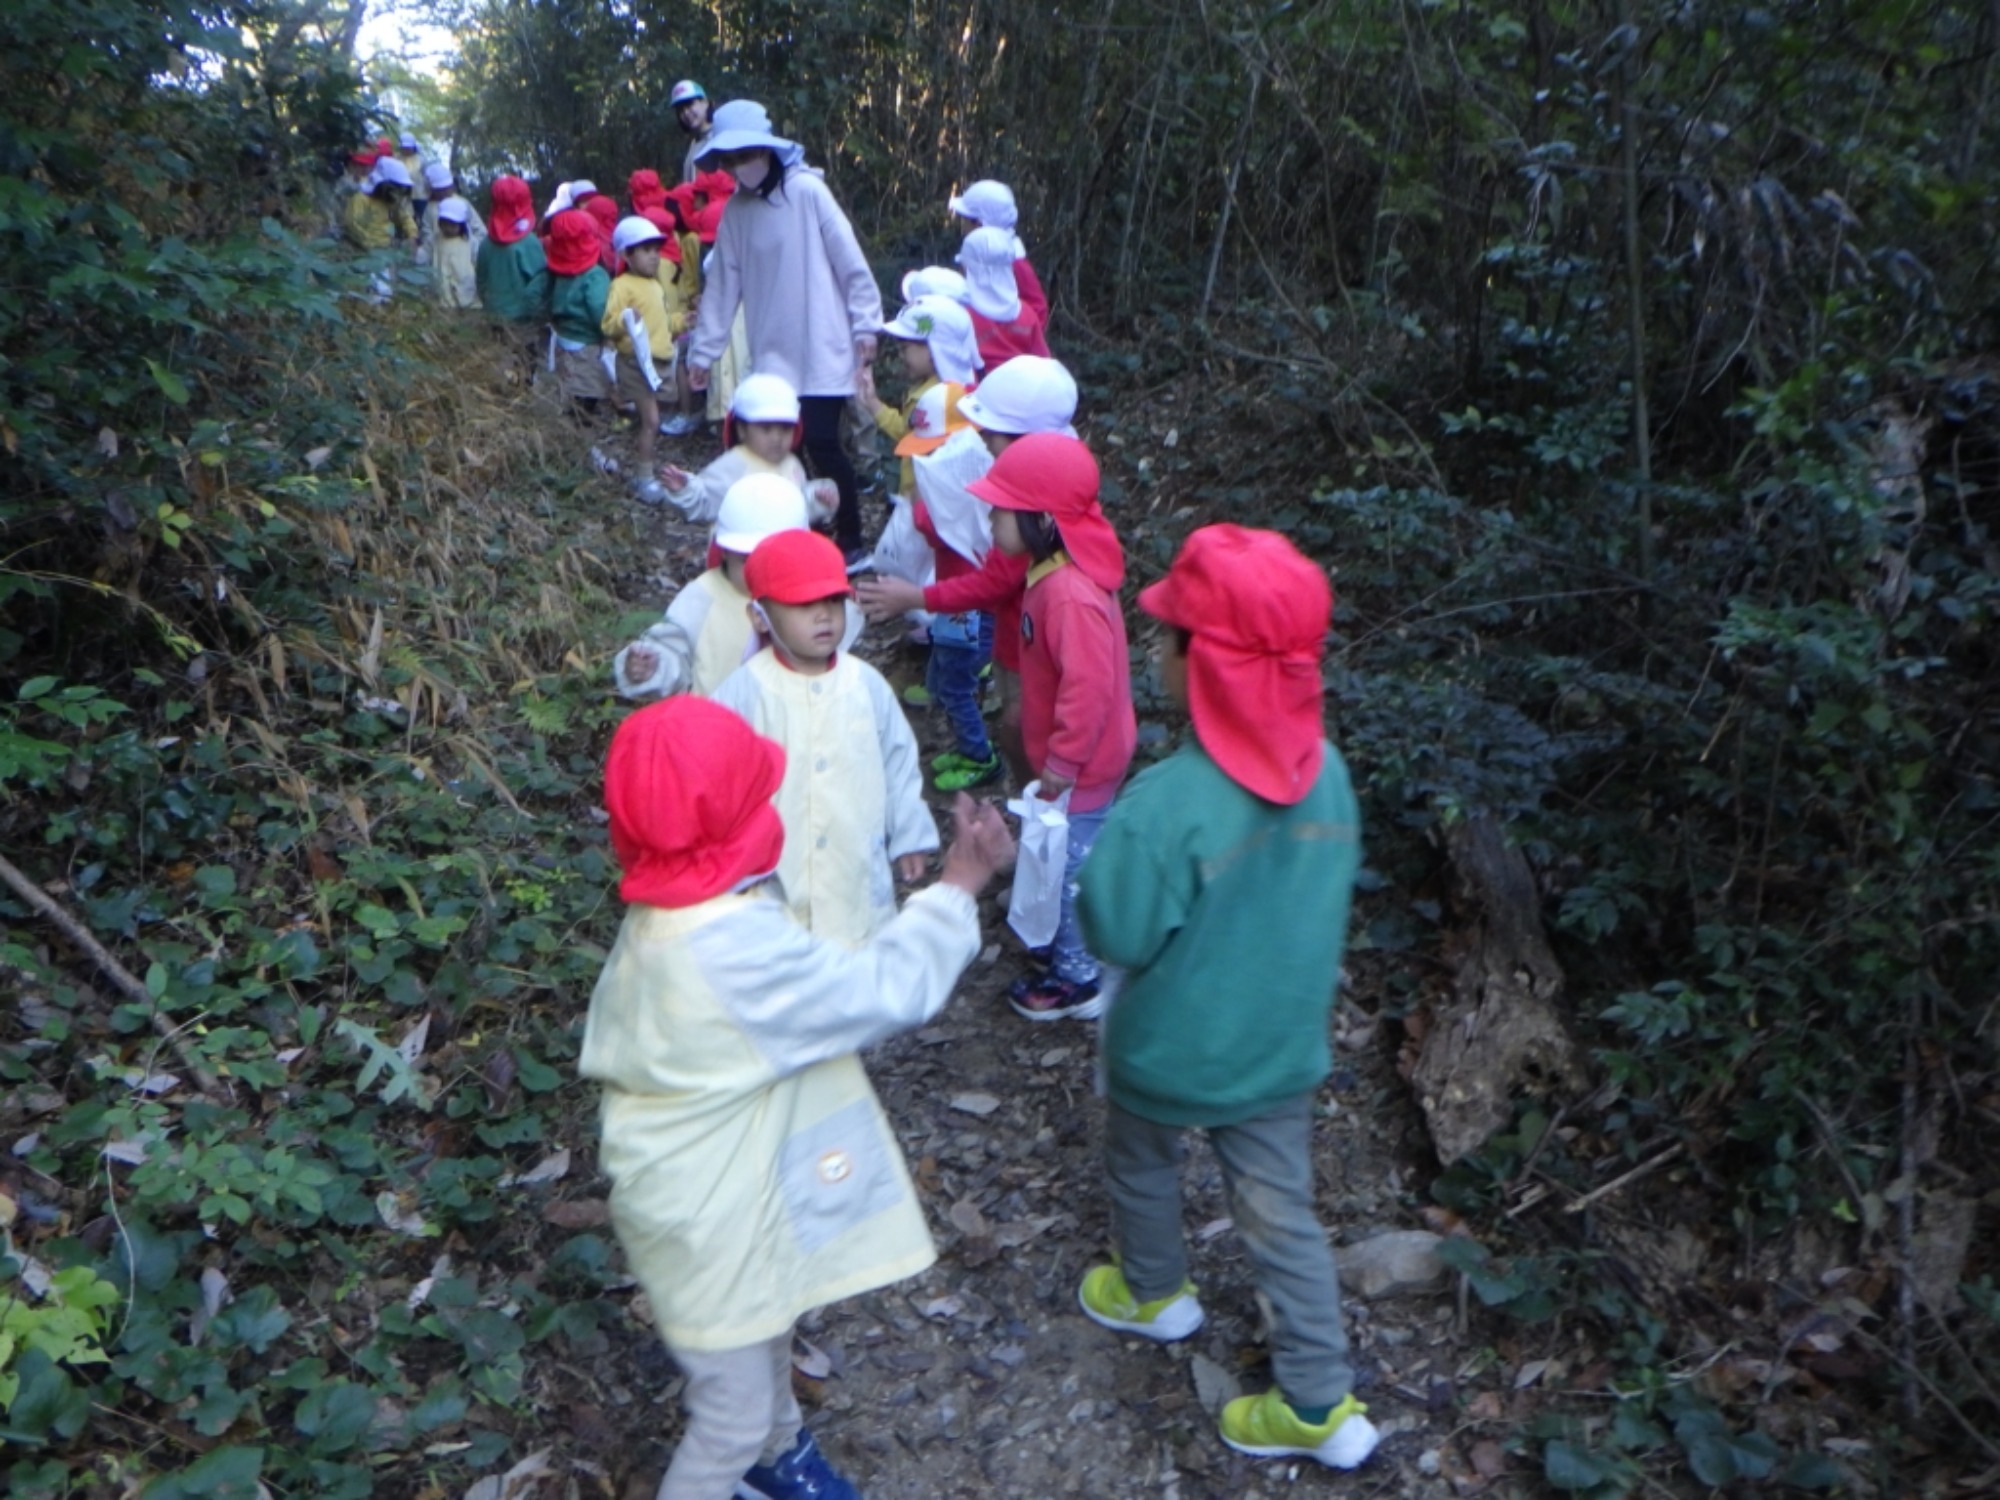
x=688 y=785
x=1056 y=475
x=574 y=243
x=1257 y=611
x=796 y=567
x=513 y=216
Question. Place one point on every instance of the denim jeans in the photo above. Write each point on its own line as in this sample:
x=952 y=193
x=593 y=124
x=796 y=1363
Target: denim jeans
x=960 y=646
x=1068 y=958
x=1267 y=1171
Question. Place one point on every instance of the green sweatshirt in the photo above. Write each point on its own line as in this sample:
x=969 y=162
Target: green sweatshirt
x=576 y=305
x=1230 y=913
x=513 y=279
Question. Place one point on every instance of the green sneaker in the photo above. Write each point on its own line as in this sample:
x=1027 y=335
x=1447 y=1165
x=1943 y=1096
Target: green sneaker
x=1265 y=1427
x=917 y=695
x=968 y=774
x=951 y=760
x=1106 y=1299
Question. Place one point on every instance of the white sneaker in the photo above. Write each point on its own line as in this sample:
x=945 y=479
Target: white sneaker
x=650 y=492
x=680 y=425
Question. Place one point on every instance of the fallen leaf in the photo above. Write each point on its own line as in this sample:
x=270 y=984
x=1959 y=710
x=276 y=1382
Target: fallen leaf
x=1013 y=1236
x=1529 y=1373
x=942 y=1307
x=324 y=866
x=1214 y=1228
x=517 y=1483
x=810 y=1360
x=9 y=1211
x=975 y=1104
x=390 y=1208
x=578 y=1213
x=107 y=442
x=420 y=1293
x=132 y=1153
x=317 y=457
x=551 y=1168
x=1214 y=1387
x=412 y=1044
x=151 y=1083
x=1489 y=1459
x=215 y=1295
x=1485 y=1407
x=968 y=1220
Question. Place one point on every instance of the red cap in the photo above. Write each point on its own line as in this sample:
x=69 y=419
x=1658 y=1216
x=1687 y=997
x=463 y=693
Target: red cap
x=688 y=785
x=1056 y=476
x=574 y=244
x=513 y=215
x=796 y=567
x=385 y=147
x=1258 y=612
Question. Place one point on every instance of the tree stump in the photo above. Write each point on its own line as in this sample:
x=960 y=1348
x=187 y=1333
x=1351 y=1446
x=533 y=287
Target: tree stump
x=1501 y=1028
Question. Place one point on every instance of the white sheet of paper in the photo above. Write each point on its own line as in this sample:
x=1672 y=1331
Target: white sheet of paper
x=962 y=519
x=641 y=350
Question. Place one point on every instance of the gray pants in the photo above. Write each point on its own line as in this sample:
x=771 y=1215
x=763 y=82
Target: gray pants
x=1267 y=1169
x=741 y=1412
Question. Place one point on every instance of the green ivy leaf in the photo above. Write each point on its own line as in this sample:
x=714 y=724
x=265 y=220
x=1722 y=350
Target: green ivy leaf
x=222 y=1474
x=48 y=1403
x=335 y=1416
x=171 y=385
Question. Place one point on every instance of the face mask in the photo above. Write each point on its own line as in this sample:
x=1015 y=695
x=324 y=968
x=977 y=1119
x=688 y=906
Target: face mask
x=751 y=174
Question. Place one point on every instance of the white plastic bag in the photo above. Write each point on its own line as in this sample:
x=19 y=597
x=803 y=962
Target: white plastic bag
x=902 y=551
x=1035 y=908
x=962 y=520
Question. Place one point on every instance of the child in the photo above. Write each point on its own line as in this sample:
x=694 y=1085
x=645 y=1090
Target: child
x=936 y=340
x=1006 y=326
x=1076 y=677
x=451 y=255
x=604 y=214
x=762 y=430
x=754 y=1175
x=1024 y=395
x=937 y=281
x=708 y=632
x=990 y=205
x=512 y=272
x=1221 y=883
x=412 y=158
x=852 y=800
x=379 y=214
x=579 y=288
x=636 y=300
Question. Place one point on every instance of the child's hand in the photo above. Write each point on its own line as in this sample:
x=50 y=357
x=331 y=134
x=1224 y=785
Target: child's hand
x=697 y=377
x=864 y=387
x=1054 y=785
x=641 y=662
x=910 y=868
x=981 y=845
x=674 y=477
x=885 y=598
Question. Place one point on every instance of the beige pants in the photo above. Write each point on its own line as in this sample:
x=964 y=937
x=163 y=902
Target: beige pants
x=741 y=1412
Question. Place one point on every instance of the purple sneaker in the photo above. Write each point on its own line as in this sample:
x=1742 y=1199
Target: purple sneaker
x=802 y=1474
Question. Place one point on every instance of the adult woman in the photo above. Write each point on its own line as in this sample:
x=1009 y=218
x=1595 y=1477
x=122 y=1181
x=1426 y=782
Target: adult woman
x=786 y=255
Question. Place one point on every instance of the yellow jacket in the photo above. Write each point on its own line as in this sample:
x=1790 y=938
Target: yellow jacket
x=373 y=225
x=753 y=1174
x=853 y=795
x=647 y=295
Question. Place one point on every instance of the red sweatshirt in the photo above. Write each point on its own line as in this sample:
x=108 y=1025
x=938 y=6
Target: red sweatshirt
x=1076 y=682
x=996 y=585
x=1000 y=342
x=1029 y=286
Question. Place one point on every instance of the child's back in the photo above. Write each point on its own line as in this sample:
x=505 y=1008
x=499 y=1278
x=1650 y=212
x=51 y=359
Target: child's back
x=512 y=272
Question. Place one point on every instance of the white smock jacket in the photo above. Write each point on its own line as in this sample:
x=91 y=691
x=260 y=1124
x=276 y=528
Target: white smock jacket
x=701 y=500
x=754 y=1176
x=853 y=795
x=704 y=636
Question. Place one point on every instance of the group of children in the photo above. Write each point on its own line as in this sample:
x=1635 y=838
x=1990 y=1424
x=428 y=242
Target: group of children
x=767 y=808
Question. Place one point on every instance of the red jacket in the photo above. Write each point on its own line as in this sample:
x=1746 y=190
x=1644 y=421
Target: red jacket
x=1029 y=286
x=995 y=585
x=1000 y=342
x=1076 y=684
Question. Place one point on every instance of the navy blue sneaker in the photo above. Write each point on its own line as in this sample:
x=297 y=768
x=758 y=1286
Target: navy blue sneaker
x=802 y=1474
x=1051 y=998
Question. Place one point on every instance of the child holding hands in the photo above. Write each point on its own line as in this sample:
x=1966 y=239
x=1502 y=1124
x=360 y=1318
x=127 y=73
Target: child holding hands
x=761 y=434
x=754 y=1175
x=1076 y=678
x=852 y=800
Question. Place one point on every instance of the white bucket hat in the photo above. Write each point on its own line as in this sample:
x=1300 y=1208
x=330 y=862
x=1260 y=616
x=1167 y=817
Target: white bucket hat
x=987 y=257
x=408 y=141
x=744 y=125
x=757 y=506
x=936 y=281
x=455 y=210
x=437 y=175
x=764 y=398
x=946 y=327
x=635 y=230
x=1027 y=394
x=989 y=202
x=391 y=171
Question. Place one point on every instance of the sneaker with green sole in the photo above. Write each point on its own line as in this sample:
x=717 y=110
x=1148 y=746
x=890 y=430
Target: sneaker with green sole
x=951 y=760
x=917 y=695
x=1266 y=1427
x=969 y=773
x=1105 y=1299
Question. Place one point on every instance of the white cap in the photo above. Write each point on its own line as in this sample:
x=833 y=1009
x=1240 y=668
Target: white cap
x=582 y=188
x=946 y=328
x=635 y=230
x=685 y=92
x=936 y=281
x=764 y=398
x=988 y=258
x=1026 y=394
x=408 y=142
x=455 y=210
x=991 y=203
x=757 y=506
x=393 y=172
x=437 y=175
